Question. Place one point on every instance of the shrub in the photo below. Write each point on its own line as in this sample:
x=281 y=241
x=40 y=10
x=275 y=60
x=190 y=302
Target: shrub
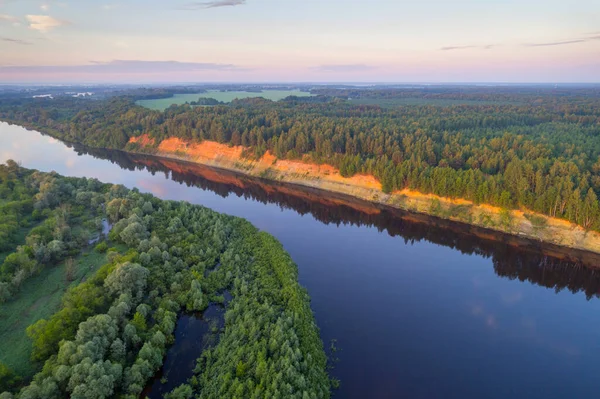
x=102 y=247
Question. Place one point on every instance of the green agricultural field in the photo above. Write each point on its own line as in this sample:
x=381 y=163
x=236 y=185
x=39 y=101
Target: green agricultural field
x=225 y=96
x=38 y=298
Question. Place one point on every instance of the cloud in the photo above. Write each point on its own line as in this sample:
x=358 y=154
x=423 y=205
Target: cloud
x=10 y=19
x=213 y=4
x=593 y=36
x=44 y=23
x=15 y=41
x=484 y=47
x=559 y=43
x=343 y=68
x=45 y=7
x=448 y=48
x=108 y=7
x=122 y=67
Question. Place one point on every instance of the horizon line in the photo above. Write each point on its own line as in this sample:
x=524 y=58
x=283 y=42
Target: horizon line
x=372 y=83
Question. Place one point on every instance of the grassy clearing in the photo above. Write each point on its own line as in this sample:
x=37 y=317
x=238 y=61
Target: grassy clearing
x=226 y=96
x=396 y=102
x=39 y=298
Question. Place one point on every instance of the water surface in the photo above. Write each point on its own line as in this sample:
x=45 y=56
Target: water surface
x=417 y=310
x=193 y=333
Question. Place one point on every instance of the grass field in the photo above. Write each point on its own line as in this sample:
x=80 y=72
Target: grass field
x=226 y=96
x=396 y=102
x=38 y=298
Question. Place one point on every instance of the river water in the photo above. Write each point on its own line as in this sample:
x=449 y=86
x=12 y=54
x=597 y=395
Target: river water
x=419 y=308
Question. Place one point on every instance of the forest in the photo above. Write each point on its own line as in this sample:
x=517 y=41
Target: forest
x=531 y=148
x=111 y=330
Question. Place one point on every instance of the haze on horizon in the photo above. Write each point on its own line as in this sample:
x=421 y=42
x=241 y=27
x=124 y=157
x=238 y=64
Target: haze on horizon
x=141 y=41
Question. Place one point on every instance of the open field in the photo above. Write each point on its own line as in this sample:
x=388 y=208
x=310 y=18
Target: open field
x=225 y=96
x=39 y=297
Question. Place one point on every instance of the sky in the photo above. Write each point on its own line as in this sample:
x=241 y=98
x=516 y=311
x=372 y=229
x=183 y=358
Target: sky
x=138 y=41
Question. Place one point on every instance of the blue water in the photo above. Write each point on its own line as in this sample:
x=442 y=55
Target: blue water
x=412 y=317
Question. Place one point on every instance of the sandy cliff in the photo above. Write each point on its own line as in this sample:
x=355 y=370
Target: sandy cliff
x=328 y=178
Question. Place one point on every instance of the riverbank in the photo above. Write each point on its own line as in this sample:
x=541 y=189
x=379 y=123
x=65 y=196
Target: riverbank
x=519 y=223
x=327 y=178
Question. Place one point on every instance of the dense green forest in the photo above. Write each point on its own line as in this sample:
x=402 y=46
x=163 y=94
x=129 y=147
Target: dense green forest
x=161 y=258
x=535 y=148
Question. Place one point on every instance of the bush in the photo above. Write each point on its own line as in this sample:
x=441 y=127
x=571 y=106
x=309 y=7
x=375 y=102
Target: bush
x=102 y=247
x=537 y=221
x=7 y=378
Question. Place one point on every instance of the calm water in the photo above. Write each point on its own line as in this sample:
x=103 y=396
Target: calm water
x=193 y=333
x=418 y=311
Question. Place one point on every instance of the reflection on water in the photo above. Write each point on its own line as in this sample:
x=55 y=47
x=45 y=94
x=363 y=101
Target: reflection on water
x=420 y=307
x=513 y=257
x=193 y=333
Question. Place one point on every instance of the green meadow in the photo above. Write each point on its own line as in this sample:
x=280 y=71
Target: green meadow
x=39 y=297
x=225 y=96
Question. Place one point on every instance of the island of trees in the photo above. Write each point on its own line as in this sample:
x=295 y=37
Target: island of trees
x=115 y=320
x=535 y=148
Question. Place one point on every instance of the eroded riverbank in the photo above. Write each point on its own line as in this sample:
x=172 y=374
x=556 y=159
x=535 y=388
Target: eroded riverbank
x=521 y=223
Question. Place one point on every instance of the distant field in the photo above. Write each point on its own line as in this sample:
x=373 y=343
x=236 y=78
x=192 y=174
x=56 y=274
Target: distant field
x=39 y=297
x=396 y=102
x=226 y=96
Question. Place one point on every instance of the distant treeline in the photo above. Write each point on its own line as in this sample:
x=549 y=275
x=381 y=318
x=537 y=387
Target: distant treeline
x=535 y=148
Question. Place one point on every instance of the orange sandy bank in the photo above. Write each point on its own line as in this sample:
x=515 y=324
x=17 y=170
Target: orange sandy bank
x=210 y=151
x=143 y=140
x=328 y=178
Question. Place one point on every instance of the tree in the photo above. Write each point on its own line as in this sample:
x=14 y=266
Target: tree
x=590 y=211
x=94 y=380
x=7 y=378
x=69 y=269
x=127 y=278
x=139 y=322
x=133 y=234
x=183 y=391
x=195 y=297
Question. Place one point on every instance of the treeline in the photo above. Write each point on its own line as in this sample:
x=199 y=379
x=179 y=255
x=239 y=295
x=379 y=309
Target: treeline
x=112 y=331
x=541 y=154
x=206 y=101
x=532 y=94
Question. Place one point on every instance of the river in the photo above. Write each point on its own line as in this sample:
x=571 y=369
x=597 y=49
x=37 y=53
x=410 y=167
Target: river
x=419 y=307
